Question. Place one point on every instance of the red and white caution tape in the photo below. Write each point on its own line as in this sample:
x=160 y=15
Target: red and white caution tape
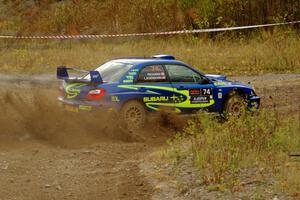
x=145 y=34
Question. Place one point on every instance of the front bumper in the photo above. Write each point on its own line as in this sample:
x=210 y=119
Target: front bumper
x=254 y=102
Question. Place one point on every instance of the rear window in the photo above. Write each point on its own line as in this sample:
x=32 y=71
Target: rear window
x=112 y=71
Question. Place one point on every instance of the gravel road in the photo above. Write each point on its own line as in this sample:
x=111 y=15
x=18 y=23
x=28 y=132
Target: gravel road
x=48 y=154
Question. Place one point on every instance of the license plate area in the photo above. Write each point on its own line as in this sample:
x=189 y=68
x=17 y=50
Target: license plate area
x=78 y=108
x=71 y=108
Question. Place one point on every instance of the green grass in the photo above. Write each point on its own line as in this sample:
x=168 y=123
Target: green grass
x=277 y=53
x=226 y=153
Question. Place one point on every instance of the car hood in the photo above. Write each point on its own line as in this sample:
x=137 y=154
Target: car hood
x=227 y=83
x=216 y=77
x=221 y=80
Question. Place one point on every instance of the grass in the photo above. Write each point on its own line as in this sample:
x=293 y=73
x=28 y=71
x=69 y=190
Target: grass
x=221 y=152
x=227 y=154
x=276 y=53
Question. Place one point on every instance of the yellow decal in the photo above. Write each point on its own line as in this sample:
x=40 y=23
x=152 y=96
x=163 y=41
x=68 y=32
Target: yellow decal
x=127 y=81
x=156 y=99
x=73 y=90
x=115 y=99
x=132 y=73
x=129 y=77
x=84 y=107
x=219 y=83
x=178 y=98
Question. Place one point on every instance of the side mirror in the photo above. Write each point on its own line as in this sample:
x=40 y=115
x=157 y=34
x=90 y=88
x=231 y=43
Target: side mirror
x=205 y=81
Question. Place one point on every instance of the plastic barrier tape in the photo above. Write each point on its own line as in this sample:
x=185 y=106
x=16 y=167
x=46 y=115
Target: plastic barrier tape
x=145 y=34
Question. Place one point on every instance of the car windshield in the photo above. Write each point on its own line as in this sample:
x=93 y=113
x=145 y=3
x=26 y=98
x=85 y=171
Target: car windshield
x=112 y=71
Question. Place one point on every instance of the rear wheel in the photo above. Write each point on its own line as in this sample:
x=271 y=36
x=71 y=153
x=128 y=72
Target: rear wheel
x=235 y=106
x=134 y=115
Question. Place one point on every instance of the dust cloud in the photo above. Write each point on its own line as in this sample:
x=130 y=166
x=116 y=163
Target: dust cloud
x=32 y=112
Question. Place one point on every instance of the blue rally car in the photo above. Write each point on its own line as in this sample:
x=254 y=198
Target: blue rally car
x=137 y=86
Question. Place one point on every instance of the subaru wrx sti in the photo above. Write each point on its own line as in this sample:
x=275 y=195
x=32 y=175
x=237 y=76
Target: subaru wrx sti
x=137 y=86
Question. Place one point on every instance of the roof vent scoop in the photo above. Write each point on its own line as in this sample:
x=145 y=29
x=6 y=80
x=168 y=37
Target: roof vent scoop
x=166 y=57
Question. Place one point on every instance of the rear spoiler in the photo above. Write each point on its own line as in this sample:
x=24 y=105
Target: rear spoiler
x=62 y=73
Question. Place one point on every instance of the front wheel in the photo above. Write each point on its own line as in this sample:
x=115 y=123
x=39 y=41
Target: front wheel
x=235 y=106
x=134 y=115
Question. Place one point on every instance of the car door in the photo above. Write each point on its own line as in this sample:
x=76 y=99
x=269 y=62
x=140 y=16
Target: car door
x=154 y=88
x=192 y=90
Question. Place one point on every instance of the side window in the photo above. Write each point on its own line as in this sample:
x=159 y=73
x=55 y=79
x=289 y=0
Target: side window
x=152 y=73
x=182 y=74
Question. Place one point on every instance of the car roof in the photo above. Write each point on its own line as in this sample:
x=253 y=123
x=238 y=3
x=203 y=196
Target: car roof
x=148 y=61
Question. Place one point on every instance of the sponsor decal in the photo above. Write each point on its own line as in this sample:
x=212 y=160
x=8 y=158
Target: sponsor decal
x=95 y=76
x=71 y=108
x=84 y=107
x=115 y=99
x=132 y=73
x=156 y=99
x=199 y=99
x=202 y=95
x=127 y=81
x=155 y=76
x=219 y=83
x=195 y=92
x=177 y=99
x=220 y=95
x=129 y=77
x=73 y=90
x=153 y=72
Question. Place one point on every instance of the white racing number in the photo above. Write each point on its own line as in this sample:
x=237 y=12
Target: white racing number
x=206 y=91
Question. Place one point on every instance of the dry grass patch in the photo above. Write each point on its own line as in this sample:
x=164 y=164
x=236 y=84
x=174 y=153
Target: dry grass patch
x=267 y=53
x=240 y=153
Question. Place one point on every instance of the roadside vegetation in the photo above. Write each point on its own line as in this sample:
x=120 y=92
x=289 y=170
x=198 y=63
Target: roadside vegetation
x=234 y=154
x=112 y=16
x=233 y=53
x=262 y=52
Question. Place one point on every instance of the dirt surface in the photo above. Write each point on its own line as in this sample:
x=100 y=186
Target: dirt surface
x=46 y=153
x=280 y=92
x=180 y=180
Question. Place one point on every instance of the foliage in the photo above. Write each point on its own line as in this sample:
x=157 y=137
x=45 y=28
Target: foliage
x=223 y=152
x=276 y=53
x=113 y=16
